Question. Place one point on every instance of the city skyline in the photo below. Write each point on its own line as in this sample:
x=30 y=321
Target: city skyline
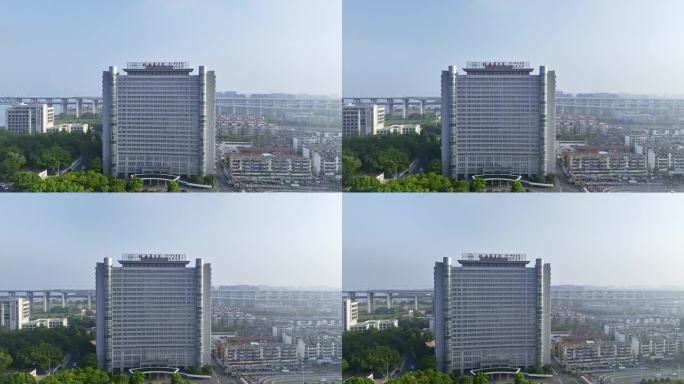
x=261 y=240
x=599 y=240
x=594 y=47
x=297 y=54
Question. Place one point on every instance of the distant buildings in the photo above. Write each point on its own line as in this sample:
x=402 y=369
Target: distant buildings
x=153 y=311
x=48 y=323
x=401 y=129
x=362 y=119
x=491 y=311
x=351 y=319
x=29 y=118
x=70 y=128
x=158 y=118
x=498 y=118
x=14 y=312
x=254 y=168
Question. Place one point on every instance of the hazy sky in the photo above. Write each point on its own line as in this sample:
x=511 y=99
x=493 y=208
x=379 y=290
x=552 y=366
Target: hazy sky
x=54 y=240
x=393 y=240
x=60 y=48
x=399 y=47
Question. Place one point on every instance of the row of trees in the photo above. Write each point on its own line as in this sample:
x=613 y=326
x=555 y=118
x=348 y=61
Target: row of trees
x=44 y=348
x=381 y=351
x=88 y=181
x=389 y=154
x=421 y=182
x=50 y=151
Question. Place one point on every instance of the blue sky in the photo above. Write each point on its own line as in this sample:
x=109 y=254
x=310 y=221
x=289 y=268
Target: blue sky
x=54 y=240
x=399 y=47
x=393 y=240
x=55 y=48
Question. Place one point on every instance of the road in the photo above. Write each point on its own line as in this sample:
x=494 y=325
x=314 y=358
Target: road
x=303 y=377
x=634 y=375
x=219 y=375
x=561 y=377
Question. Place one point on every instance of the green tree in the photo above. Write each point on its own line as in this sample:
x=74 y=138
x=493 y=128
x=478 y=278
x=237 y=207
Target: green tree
x=344 y=365
x=42 y=356
x=461 y=186
x=89 y=360
x=481 y=378
x=359 y=380
x=135 y=184
x=517 y=187
x=137 y=378
x=11 y=164
x=5 y=360
x=54 y=158
x=381 y=359
x=172 y=186
x=95 y=164
x=350 y=165
x=478 y=185
x=391 y=161
x=18 y=378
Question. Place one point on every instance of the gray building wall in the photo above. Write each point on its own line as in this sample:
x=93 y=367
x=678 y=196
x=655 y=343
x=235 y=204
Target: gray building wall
x=158 y=120
x=491 y=313
x=153 y=311
x=498 y=120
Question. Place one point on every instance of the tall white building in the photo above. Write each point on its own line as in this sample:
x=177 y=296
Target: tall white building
x=498 y=118
x=153 y=311
x=491 y=311
x=158 y=118
x=362 y=119
x=29 y=118
x=351 y=313
x=14 y=312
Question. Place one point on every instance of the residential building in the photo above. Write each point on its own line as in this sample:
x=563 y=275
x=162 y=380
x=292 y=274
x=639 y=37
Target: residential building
x=14 y=312
x=70 y=128
x=491 y=311
x=401 y=129
x=362 y=119
x=380 y=325
x=153 y=311
x=52 y=322
x=158 y=118
x=29 y=118
x=498 y=118
x=594 y=355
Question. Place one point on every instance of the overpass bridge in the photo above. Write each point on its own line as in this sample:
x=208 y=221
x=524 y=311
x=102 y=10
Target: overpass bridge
x=583 y=104
x=560 y=295
x=371 y=295
x=47 y=294
x=80 y=103
x=419 y=103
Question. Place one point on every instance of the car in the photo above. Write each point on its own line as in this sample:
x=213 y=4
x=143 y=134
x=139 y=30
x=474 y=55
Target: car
x=674 y=374
x=658 y=375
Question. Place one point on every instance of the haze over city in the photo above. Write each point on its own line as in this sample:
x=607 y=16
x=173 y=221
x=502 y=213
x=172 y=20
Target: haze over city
x=592 y=46
x=275 y=240
x=601 y=240
x=250 y=45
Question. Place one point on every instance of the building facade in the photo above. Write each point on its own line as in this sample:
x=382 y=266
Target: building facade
x=498 y=118
x=14 y=312
x=362 y=119
x=29 y=119
x=153 y=311
x=158 y=118
x=491 y=311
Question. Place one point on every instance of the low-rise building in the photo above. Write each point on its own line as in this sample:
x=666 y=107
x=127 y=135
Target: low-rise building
x=70 y=128
x=380 y=325
x=592 y=355
x=362 y=119
x=52 y=322
x=254 y=167
x=401 y=129
x=256 y=354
